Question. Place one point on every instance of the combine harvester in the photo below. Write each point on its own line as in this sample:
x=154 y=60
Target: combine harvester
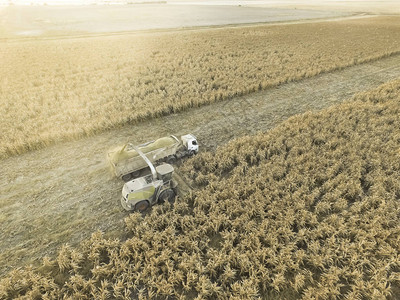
x=127 y=162
x=143 y=192
x=158 y=187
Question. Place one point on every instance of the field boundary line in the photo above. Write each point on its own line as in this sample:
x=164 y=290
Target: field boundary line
x=190 y=28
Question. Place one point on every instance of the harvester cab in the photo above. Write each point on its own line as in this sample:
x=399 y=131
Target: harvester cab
x=190 y=141
x=143 y=192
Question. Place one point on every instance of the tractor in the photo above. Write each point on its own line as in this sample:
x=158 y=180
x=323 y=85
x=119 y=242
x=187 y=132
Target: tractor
x=141 y=193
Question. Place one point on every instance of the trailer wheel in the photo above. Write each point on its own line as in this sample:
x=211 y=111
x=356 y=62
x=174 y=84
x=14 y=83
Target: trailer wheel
x=171 y=159
x=142 y=205
x=166 y=195
x=126 y=177
x=135 y=174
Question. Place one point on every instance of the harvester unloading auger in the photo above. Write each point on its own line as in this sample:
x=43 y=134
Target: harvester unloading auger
x=127 y=163
x=143 y=192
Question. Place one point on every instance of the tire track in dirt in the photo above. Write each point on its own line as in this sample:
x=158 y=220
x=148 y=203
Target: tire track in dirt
x=65 y=192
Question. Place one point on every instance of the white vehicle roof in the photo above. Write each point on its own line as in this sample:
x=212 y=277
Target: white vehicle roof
x=134 y=185
x=140 y=183
x=186 y=138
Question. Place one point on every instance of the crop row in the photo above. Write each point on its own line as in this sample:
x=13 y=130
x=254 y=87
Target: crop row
x=307 y=210
x=55 y=90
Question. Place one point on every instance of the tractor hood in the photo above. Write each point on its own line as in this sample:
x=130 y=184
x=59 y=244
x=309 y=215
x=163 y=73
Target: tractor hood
x=139 y=189
x=143 y=194
x=134 y=185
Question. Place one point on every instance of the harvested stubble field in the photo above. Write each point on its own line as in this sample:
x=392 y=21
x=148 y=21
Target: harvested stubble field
x=307 y=210
x=54 y=90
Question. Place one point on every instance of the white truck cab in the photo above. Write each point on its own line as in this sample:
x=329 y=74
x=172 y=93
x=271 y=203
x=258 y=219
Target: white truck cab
x=190 y=142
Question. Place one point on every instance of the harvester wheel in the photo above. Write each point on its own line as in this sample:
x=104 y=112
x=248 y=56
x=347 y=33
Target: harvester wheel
x=142 y=205
x=171 y=159
x=166 y=195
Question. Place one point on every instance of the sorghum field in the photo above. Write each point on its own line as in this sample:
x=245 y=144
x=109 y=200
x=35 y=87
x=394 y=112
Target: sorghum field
x=307 y=210
x=46 y=195
x=59 y=89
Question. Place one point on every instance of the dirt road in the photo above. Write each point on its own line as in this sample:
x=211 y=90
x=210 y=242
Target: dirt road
x=65 y=192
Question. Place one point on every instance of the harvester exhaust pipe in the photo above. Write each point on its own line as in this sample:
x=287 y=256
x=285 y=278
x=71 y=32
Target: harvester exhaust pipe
x=153 y=170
